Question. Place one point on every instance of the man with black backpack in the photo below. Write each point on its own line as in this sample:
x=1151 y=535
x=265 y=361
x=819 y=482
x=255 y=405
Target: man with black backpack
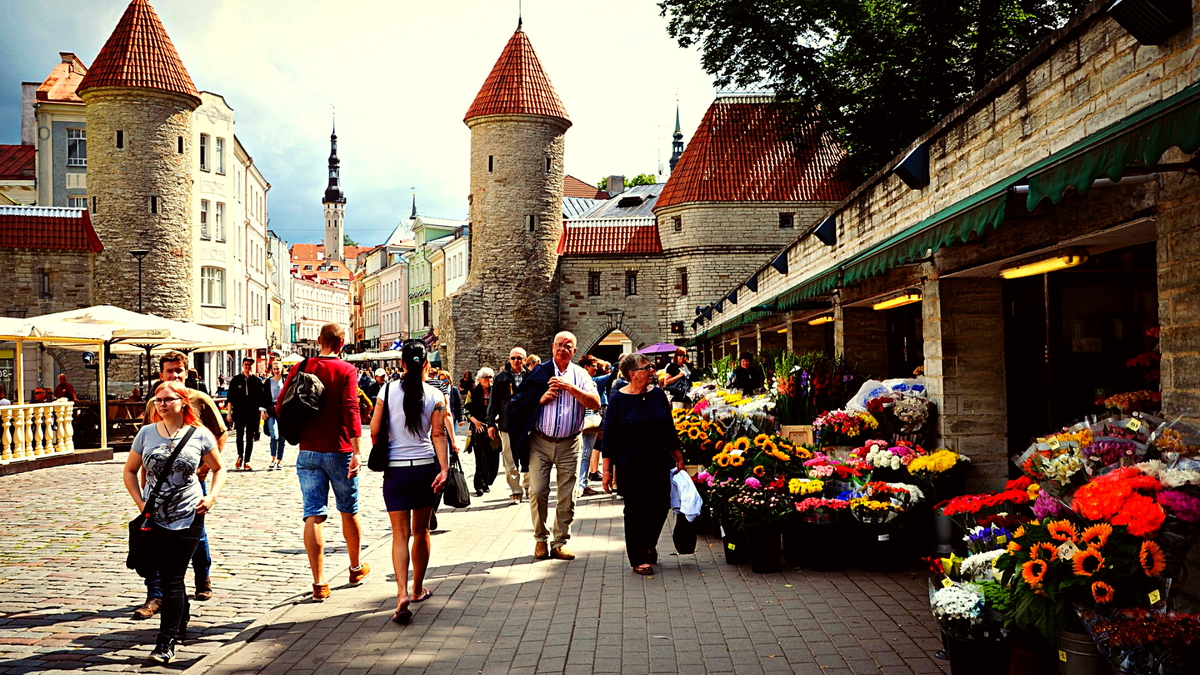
x=320 y=403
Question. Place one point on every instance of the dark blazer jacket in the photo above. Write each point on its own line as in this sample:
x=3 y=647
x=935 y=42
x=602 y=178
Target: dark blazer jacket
x=524 y=408
x=245 y=397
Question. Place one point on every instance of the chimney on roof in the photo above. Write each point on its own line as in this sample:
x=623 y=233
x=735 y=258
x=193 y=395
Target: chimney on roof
x=615 y=185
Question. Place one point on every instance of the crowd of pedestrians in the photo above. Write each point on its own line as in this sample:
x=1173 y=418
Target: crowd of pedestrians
x=578 y=424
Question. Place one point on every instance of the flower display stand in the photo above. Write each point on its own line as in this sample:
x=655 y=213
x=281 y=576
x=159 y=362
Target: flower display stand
x=883 y=546
x=796 y=550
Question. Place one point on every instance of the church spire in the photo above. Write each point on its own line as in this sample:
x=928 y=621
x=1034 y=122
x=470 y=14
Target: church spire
x=414 y=211
x=333 y=192
x=677 y=141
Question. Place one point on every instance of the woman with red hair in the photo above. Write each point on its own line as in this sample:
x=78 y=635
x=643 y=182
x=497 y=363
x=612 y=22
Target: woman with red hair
x=177 y=502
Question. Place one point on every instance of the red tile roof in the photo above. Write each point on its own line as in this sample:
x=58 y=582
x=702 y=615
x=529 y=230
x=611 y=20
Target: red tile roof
x=609 y=240
x=61 y=84
x=17 y=162
x=48 y=228
x=740 y=154
x=517 y=84
x=573 y=187
x=139 y=54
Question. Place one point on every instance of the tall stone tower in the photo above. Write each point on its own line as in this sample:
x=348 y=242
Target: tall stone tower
x=518 y=127
x=139 y=103
x=334 y=203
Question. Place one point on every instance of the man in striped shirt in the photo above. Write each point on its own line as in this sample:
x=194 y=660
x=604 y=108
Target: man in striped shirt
x=556 y=442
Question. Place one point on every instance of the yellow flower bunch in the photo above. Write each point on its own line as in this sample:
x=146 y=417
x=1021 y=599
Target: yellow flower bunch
x=938 y=462
x=798 y=486
x=773 y=450
x=867 y=504
x=742 y=444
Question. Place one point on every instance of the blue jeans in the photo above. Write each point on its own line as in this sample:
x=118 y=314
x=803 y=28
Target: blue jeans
x=318 y=471
x=585 y=459
x=277 y=442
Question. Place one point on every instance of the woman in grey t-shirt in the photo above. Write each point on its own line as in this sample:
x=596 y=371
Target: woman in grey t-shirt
x=177 y=515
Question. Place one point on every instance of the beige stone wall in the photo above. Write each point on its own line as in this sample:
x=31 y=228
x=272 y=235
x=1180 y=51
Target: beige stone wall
x=511 y=292
x=642 y=317
x=122 y=182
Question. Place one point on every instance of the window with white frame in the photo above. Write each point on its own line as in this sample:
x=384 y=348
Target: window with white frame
x=204 y=152
x=219 y=155
x=204 y=234
x=220 y=221
x=212 y=286
x=76 y=147
x=77 y=202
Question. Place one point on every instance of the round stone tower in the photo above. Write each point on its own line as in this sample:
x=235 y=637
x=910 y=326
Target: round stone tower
x=518 y=127
x=139 y=103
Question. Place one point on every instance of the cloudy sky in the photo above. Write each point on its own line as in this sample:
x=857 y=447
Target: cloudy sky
x=401 y=74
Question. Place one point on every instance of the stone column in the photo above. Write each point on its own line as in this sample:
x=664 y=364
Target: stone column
x=1179 y=296
x=860 y=334
x=791 y=346
x=964 y=373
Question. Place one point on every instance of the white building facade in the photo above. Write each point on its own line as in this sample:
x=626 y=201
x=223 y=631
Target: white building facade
x=318 y=303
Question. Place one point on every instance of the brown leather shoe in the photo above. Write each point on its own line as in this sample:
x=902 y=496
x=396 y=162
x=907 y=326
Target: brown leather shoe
x=357 y=576
x=148 y=609
x=203 y=590
x=562 y=553
x=320 y=592
x=540 y=551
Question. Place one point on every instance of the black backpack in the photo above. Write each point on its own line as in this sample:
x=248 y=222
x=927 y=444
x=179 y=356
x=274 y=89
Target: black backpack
x=298 y=402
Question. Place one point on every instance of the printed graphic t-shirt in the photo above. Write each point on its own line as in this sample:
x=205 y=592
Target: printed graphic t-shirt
x=180 y=492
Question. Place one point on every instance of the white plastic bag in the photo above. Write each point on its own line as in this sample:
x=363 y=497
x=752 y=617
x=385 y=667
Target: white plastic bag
x=871 y=389
x=684 y=497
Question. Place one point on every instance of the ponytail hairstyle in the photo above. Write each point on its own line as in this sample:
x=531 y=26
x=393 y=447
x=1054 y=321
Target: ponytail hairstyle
x=413 y=384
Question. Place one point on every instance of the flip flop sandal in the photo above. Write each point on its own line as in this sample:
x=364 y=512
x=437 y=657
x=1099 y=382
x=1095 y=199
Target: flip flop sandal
x=644 y=570
x=402 y=617
x=427 y=595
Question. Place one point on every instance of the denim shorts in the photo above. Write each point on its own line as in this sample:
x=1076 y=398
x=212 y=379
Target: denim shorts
x=319 y=470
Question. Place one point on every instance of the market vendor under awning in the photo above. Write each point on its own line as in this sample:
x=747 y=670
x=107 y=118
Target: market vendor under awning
x=746 y=377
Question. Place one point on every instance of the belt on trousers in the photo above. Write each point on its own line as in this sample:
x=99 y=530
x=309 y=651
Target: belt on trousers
x=553 y=439
x=411 y=462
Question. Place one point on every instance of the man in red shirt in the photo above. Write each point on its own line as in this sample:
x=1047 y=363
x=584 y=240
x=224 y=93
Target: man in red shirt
x=64 y=389
x=329 y=457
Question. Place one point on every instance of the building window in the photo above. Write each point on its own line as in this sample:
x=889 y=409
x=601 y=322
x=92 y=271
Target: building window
x=219 y=153
x=120 y=139
x=179 y=145
x=532 y=223
x=94 y=205
x=204 y=152
x=593 y=284
x=153 y=204
x=787 y=221
x=631 y=283
x=204 y=220
x=677 y=223
x=212 y=286
x=77 y=202
x=219 y=222
x=489 y=163
x=76 y=147
x=683 y=281
x=425 y=310
x=45 y=284
x=547 y=165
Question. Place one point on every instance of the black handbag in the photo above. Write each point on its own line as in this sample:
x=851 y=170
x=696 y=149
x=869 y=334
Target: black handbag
x=378 y=459
x=139 y=528
x=684 y=535
x=456 y=493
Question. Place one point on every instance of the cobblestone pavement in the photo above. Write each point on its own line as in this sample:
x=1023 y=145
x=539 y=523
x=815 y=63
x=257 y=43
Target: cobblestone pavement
x=495 y=610
x=66 y=597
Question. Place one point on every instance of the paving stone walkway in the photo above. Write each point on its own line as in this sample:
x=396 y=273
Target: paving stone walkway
x=66 y=598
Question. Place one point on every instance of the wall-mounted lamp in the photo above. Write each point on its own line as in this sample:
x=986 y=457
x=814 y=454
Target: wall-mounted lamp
x=828 y=318
x=907 y=298
x=1059 y=261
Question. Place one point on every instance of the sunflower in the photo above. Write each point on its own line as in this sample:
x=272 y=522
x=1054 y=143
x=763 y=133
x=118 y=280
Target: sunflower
x=1096 y=536
x=1062 y=530
x=736 y=460
x=769 y=447
x=1035 y=551
x=703 y=436
x=1013 y=547
x=742 y=444
x=1086 y=563
x=760 y=471
x=1033 y=572
x=760 y=439
x=693 y=433
x=723 y=459
x=1151 y=557
x=720 y=444
x=1102 y=592
x=1019 y=533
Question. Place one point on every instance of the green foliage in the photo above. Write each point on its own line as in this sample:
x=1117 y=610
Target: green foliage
x=882 y=72
x=347 y=241
x=640 y=179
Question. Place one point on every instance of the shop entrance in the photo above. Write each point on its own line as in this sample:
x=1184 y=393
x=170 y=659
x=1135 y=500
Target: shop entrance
x=614 y=345
x=905 y=340
x=1069 y=337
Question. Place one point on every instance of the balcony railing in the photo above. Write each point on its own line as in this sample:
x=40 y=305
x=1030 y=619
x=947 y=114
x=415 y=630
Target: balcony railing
x=36 y=430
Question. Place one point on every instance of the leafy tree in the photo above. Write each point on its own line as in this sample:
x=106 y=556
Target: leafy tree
x=347 y=241
x=882 y=72
x=640 y=179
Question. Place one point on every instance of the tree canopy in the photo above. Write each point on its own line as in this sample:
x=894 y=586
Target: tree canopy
x=881 y=72
x=347 y=241
x=640 y=179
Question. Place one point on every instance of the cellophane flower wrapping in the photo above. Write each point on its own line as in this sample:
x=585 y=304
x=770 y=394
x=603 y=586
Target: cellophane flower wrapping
x=1145 y=642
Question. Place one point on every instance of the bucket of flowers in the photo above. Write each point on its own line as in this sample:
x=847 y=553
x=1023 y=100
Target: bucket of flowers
x=972 y=618
x=823 y=532
x=888 y=461
x=699 y=438
x=970 y=511
x=843 y=429
x=1145 y=642
x=886 y=537
x=760 y=509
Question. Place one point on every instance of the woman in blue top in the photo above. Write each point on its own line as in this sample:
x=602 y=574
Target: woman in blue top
x=640 y=441
x=416 y=471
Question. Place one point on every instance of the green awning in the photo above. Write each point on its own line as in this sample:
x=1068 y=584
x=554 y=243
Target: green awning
x=1143 y=136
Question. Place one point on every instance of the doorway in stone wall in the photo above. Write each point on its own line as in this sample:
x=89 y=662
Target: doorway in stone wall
x=612 y=347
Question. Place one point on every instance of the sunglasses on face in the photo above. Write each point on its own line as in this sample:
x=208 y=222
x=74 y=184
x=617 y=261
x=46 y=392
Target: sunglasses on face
x=516 y=358
x=649 y=367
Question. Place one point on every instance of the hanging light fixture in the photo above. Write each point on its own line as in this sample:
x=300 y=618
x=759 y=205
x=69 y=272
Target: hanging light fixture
x=828 y=318
x=908 y=297
x=1061 y=260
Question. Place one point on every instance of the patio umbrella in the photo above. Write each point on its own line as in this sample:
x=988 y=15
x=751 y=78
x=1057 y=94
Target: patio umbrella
x=658 y=348
x=132 y=333
x=292 y=359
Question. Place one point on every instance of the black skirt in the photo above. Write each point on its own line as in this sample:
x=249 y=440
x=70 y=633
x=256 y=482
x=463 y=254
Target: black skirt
x=407 y=488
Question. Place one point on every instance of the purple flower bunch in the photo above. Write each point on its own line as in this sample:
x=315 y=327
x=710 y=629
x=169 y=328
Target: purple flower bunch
x=1109 y=452
x=1180 y=504
x=1047 y=506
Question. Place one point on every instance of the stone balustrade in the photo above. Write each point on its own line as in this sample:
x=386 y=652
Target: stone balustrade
x=36 y=430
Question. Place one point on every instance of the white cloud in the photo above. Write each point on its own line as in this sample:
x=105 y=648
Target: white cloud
x=401 y=75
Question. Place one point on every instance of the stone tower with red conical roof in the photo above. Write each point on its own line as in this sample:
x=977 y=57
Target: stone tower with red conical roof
x=510 y=298
x=139 y=102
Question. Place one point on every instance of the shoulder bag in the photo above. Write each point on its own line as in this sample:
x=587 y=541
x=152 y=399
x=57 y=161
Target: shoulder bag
x=139 y=528
x=456 y=493
x=378 y=459
x=298 y=402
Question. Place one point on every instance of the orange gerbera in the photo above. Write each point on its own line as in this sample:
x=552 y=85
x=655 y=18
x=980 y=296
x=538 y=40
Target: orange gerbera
x=1096 y=536
x=1035 y=551
x=1019 y=533
x=1102 y=592
x=1013 y=547
x=1033 y=572
x=1151 y=557
x=1062 y=530
x=1086 y=563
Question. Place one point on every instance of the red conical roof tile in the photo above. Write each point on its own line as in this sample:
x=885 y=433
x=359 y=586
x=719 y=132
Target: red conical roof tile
x=517 y=85
x=139 y=54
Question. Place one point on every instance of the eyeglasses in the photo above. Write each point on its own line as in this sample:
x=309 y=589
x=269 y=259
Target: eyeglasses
x=166 y=401
x=485 y=377
x=516 y=358
x=649 y=367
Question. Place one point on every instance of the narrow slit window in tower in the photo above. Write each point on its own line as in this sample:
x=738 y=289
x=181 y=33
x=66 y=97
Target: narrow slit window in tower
x=179 y=145
x=489 y=163
x=683 y=289
x=677 y=222
x=120 y=139
x=94 y=205
x=593 y=284
x=547 y=165
x=153 y=204
x=787 y=221
x=532 y=223
x=631 y=282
